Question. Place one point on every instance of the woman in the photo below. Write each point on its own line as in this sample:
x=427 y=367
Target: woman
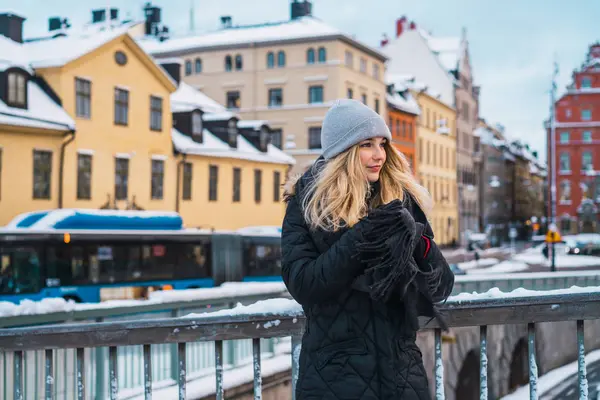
x=359 y=256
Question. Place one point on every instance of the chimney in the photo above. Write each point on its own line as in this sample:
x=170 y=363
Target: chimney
x=11 y=26
x=152 y=15
x=400 y=26
x=57 y=23
x=384 y=40
x=413 y=26
x=226 y=21
x=98 y=15
x=301 y=9
x=173 y=68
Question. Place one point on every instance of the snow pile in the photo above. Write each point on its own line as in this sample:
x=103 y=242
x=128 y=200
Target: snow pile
x=228 y=289
x=552 y=378
x=285 y=307
x=29 y=307
x=496 y=293
x=535 y=256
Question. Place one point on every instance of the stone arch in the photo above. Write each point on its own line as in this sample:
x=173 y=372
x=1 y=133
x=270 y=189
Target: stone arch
x=467 y=382
x=511 y=339
x=519 y=366
x=466 y=342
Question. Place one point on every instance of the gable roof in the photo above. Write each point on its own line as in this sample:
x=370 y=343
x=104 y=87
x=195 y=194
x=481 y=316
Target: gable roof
x=447 y=49
x=58 y=51
x=299 y=30
x=411 y=55
x=62 y=50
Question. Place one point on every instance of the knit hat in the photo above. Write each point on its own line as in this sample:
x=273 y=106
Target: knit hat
x=349 y=122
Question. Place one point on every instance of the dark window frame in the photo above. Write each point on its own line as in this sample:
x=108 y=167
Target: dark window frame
x=187 y=177
x=83 y=98
x=157 y=179
x=237 y=185
x=121 y=109
x=84 y=176
x=213 y=182
x=121 y=178
x=42 y=179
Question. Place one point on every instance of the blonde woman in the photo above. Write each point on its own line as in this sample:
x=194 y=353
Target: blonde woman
x=359 y=256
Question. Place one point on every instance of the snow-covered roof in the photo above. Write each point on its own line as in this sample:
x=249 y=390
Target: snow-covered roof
x=212 y=146
x=446 y=48
x=252 y=123
x=403 y=82
x=12 y=55
x=61 y=50
x=305 y=28
x=408 y=105
x=42 y=112
x=89 y=219
x=188 y=98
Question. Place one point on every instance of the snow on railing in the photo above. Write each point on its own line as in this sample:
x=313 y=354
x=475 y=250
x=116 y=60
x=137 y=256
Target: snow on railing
x=280 y=318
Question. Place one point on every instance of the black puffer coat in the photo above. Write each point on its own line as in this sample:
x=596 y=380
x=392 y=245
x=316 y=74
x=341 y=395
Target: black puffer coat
x=355 y=347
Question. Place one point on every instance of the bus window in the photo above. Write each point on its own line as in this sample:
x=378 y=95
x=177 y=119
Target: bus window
x=262 y=260
x=19 y=270
x=159 y=261
x=194 y=261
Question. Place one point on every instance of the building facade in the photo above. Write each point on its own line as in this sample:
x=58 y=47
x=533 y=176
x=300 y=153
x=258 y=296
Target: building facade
x=443 y=64
x=402 y=112
x=88 y=120
x=436 y=160
x=576 y=165
x=287 y=74
x=468 y=156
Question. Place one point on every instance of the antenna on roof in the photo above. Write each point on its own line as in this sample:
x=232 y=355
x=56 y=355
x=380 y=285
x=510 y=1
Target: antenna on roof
x=192 y=28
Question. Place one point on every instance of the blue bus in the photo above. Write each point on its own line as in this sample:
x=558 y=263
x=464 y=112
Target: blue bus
x=98 y=255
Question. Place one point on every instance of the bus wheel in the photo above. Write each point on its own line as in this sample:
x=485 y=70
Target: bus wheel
x=194 y=287
x=74 y=298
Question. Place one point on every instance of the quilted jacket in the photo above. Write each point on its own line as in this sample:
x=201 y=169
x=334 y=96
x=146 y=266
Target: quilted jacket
x=355 y=347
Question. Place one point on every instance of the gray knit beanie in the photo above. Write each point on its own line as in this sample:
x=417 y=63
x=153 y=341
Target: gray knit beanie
x=349 y=122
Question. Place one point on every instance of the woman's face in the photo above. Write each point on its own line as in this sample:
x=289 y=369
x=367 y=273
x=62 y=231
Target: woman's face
x=372 y=157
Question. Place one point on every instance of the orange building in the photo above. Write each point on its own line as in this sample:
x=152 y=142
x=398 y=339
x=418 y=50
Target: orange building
x=402 y=121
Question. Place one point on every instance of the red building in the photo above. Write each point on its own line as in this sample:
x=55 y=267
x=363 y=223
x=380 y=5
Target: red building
x=577 y=157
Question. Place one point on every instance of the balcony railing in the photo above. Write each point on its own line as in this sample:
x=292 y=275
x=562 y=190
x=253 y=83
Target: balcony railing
x=276 y=318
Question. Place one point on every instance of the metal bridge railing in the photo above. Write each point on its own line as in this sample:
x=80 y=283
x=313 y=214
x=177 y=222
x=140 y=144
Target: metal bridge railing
x=282 y=318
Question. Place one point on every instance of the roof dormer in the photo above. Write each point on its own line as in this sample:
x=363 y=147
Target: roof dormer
x=13 y=87
x=256 y=132
x=190 y=123
x=224 y=126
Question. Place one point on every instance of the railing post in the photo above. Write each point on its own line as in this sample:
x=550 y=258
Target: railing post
x=100 y=376
x=581 y=372
x=483 y=363
x=296 y=348
x=439 y=367
x=533 y=371
x=173 y=354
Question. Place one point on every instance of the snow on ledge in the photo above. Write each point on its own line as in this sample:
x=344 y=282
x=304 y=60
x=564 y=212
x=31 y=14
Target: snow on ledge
x=496 y=293
x=281 y=307
x=58 y=304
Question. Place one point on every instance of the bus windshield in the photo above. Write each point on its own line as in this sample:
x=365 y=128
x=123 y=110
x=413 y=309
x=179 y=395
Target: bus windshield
x=19 y=269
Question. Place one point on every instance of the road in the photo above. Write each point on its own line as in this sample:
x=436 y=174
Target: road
x=569 y=389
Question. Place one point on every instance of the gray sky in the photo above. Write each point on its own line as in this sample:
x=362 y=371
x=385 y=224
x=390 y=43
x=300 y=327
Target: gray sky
x=512 y=43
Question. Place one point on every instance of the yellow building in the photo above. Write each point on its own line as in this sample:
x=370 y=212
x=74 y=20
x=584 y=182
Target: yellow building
x=286 y=73
x=436 y=154
x=86 y=122
x=230 y=175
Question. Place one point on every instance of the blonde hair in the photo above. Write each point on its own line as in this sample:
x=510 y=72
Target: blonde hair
x=338 y=196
